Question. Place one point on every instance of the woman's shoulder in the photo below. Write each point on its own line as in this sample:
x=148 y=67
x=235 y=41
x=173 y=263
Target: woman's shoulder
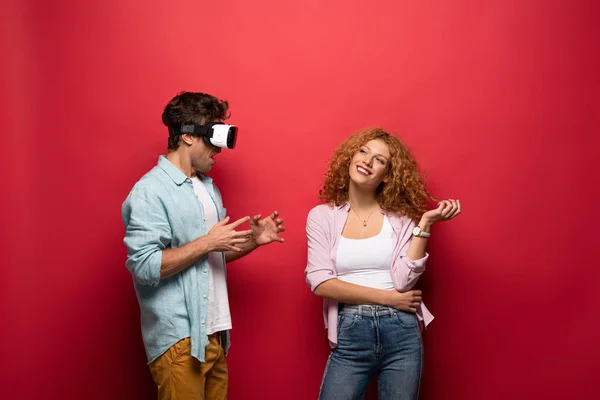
x=323 y=211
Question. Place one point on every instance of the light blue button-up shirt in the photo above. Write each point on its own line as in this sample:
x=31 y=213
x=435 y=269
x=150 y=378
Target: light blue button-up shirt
x=163 y=212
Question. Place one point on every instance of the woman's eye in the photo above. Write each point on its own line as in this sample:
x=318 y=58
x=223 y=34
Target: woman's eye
x=363 y=151
x=380 y=161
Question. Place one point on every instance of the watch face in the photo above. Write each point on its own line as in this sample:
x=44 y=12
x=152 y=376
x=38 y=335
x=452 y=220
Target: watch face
x=416 y=231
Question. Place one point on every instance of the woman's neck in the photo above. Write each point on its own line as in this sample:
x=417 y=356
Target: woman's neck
x=362 y=199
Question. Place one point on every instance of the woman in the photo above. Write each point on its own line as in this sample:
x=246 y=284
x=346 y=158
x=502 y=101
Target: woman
x=366 y=251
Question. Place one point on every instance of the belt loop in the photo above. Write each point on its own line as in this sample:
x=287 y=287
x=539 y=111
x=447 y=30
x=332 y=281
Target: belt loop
x=360 y=309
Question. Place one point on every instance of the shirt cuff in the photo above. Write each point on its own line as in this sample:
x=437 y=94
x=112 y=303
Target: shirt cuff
x=315 y=278
x=416 y=265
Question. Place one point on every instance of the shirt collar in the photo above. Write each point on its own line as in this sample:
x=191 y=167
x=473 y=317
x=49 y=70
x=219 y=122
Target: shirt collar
x=172 y=171
x=345 y=206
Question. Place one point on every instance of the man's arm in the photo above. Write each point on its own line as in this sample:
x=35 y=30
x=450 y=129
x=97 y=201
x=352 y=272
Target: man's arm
x=245 y=249
x=222 y=237
x=176 y=260
x=148 y=238
x=147 y=234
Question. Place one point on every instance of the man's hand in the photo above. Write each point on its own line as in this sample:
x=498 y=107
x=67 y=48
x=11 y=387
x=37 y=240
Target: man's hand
x=267 y=230
x=224 y=237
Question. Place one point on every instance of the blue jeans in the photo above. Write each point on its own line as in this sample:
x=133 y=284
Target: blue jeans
x=374 y=339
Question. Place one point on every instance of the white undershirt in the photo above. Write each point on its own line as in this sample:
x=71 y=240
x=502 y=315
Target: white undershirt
x=218 y=317
x=367 y=262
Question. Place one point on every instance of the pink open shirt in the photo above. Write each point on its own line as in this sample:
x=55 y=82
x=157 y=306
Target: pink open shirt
x=324 y=227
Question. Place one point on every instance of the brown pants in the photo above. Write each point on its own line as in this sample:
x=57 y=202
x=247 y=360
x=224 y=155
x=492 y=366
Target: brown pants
x=179 y=376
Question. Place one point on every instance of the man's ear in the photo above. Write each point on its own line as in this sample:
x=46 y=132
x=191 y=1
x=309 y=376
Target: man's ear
x=187 y=139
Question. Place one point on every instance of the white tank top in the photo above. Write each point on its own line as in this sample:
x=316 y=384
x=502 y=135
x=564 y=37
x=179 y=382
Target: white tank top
x=367 y=262
x=218 y=317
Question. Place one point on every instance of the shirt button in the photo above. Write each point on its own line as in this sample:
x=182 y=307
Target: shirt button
x=205 y=270
x=202 y=322
x=204 y=297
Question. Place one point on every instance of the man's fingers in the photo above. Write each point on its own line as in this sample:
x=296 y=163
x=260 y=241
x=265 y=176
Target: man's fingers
x=238 y=234
x=274 y=215
x=240 y=239
x=240 y=221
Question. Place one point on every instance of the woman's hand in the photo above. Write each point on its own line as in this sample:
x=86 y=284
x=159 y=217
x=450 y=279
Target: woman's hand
x=447 y=209
x=404 y=301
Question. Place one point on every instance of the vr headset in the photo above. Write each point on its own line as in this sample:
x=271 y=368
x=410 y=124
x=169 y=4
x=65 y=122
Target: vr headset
x=216 y=133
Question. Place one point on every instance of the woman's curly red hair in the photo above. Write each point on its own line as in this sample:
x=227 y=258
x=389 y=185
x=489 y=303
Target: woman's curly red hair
x=402 y=192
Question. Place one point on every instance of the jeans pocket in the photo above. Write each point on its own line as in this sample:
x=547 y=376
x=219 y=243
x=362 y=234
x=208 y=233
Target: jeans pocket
x=346 y=321
x=406 y=319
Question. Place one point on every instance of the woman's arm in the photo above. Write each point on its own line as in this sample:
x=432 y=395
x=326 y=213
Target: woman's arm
x=345 y=292
x=413 y=256
x=447 y=209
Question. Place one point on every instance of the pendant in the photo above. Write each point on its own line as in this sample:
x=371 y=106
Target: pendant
x=364 y=223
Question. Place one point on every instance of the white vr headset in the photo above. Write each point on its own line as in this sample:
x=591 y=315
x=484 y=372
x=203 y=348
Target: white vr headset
x=215 y=133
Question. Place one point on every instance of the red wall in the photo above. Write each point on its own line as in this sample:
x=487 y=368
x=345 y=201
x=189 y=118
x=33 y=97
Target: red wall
x=499 y=103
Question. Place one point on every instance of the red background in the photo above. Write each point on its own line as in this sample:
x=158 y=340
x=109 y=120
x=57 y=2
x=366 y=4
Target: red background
x=498 y=101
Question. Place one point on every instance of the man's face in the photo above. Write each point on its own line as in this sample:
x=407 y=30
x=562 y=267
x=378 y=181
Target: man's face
x=201 y=154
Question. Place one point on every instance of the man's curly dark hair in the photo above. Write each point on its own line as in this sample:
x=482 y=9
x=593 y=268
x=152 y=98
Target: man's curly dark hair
x=192 y=108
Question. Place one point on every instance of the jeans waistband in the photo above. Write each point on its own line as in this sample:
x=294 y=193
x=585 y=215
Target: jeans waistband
x=367 y=310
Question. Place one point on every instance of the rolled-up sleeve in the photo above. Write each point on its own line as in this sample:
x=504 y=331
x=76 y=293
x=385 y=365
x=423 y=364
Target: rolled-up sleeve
x=147 y=234
x=406 y=272
x=319 y=266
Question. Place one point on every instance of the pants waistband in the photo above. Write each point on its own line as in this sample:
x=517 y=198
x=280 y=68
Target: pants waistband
x=367 y=310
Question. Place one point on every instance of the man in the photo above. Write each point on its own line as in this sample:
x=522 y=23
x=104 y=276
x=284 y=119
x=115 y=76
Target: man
x=178 y=241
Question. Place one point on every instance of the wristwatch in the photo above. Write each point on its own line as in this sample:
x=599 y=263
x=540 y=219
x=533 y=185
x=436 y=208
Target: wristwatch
x=418 y=232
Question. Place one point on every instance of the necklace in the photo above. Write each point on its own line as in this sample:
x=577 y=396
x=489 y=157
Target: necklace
x=364 y=221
